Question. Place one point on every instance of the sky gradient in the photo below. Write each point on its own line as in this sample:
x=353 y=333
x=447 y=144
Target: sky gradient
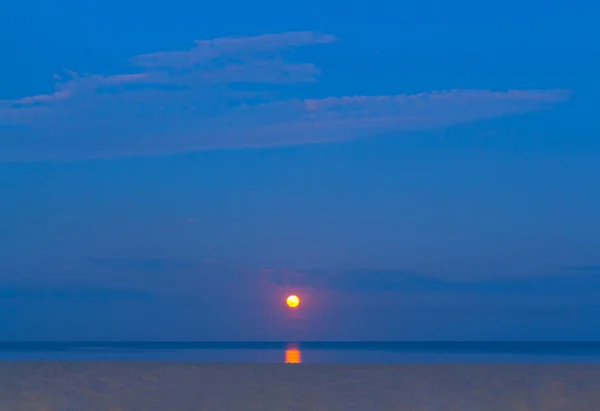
x=424 y=170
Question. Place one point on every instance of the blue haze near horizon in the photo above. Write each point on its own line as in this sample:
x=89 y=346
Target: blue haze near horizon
x=171 y=193
x=310 y=352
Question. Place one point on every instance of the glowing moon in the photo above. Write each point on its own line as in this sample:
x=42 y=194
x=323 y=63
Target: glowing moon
x=293 y=301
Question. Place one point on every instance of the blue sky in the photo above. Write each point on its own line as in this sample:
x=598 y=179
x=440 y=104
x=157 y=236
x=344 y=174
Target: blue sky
x=173 y=170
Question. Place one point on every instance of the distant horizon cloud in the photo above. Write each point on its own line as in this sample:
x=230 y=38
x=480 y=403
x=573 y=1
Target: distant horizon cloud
x=126 y=277
x=222 y=94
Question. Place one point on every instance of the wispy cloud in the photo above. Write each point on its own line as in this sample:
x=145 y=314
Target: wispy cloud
x=146 y=265
x=208 y=52
x=71 y=293
x=585 y=269
x=220 y=94
x=410 y=281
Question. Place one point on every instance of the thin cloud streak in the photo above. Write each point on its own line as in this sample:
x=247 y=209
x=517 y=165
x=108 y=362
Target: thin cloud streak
x=189 y=100
x=206 y=50
x=367 y=280
x=72 y=293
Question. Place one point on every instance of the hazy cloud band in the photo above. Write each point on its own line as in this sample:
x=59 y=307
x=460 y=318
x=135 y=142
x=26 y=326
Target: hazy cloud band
x=177 y=101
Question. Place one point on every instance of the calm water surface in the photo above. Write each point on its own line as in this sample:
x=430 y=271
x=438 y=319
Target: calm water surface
x=307 y=352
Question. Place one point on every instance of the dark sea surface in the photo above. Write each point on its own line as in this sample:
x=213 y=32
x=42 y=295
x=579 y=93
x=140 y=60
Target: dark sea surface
x=307 y=352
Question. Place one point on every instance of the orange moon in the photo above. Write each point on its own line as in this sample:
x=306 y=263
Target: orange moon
x=293 y=301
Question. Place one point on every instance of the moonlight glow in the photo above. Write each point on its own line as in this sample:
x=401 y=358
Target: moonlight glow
x=293 y=301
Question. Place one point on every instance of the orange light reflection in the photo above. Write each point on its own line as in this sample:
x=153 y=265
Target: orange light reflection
x=293 y=354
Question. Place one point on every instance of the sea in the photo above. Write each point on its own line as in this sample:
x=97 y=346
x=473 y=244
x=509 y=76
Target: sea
x=356 y=352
